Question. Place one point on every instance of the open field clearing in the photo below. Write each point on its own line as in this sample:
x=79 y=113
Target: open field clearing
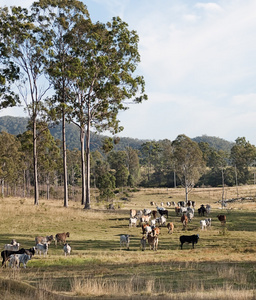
x=222 y=265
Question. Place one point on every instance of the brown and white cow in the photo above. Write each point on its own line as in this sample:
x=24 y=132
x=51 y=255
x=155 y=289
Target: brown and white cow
x=184 y=221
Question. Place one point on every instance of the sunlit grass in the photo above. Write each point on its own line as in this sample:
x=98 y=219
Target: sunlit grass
x=222 y=264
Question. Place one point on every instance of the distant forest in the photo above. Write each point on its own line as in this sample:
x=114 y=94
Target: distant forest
x=18 y=125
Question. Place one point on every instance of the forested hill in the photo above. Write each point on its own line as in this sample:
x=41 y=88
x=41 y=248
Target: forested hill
x=17 y=125
x=215 y=142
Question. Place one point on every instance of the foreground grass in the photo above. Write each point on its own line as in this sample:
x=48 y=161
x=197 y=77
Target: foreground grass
x=222 y=265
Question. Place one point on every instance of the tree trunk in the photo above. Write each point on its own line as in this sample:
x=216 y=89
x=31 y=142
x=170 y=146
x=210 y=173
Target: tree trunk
x=65 y=173
x=88 y=171
x=36 y=195
x=82 y=136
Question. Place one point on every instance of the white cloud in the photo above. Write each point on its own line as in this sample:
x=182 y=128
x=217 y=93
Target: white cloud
x=210 y=6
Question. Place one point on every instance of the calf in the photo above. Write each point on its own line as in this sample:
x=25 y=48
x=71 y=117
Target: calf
x=42 y=248
x=203 y=224
x=189 y=239
x=125 y=240
x=170 y=227
x=5 y=254
x=61 y=238
x=67 y=249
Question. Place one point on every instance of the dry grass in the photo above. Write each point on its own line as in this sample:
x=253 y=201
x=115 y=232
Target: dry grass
x=222 y=265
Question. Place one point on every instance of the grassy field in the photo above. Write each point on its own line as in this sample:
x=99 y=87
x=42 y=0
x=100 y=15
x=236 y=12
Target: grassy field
x=222 y=265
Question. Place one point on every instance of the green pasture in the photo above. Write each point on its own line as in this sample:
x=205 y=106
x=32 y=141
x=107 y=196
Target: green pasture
x=223 y=263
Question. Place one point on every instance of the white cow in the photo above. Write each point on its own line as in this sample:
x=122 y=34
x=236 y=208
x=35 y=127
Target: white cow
x=203 y=224
x=18 y=259
x=11 y=247
x=42 y=248
x=125 y=240
x=14 y=261
x=132 y=222
x=161 y=220
x=67 y=249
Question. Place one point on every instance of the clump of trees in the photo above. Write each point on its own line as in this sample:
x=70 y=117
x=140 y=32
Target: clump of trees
x=88 y=72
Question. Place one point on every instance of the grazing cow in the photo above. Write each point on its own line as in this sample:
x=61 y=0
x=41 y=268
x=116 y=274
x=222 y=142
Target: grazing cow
x=146 y=229
x=152 y=203
x=23 y=259
x=177 y=210
x=184 y=221
x=61 y=238
x=153 y=242
x=133 y=213
x=147 y=212
x=44 y=239
x=190 y=216
x=170 y=227
x=5 y=254
x=125 y=240
x=143 y=243
x=201 y=210
x=11 y=247
x=132 y=221
x=162 y=211
x=156 y=231
x=189 y=239
x=144 y=219
x=67 y=249
x=191 y=209
x=161 y=220
x=222 y=219
x=42 y=248
x=14 y=261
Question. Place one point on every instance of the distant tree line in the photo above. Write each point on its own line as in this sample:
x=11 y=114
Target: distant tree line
x=179 y=163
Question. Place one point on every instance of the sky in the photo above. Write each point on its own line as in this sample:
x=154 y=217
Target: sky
x=198 y=59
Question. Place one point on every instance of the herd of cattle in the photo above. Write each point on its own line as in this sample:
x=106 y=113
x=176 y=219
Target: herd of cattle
x=16 y=256
x=150 y=222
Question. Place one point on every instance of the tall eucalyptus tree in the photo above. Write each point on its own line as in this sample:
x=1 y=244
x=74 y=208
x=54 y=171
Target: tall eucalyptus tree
x=58 y=18
x=27 y=48
x=108 y=56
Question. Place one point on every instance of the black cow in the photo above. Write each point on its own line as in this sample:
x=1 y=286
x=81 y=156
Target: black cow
x=5 y=254
x=202 y=210
x=189 y=239
x=163 y=212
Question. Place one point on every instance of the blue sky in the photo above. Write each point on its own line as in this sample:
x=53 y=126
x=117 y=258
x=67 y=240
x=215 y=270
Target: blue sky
x=198 y=59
